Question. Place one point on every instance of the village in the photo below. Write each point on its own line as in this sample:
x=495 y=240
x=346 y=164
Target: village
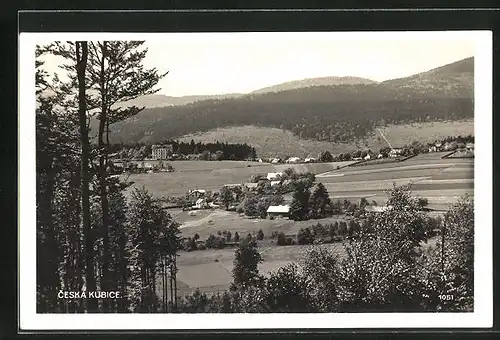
x=265 y=198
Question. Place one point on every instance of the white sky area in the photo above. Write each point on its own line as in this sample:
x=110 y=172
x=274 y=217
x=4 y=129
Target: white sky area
x=218 y=63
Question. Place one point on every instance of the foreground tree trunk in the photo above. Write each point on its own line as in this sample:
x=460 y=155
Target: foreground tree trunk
x=103 y=152
x=81 y=66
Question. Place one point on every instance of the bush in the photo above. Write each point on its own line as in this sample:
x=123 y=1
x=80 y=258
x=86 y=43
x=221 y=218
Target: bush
x=281 y=239
x=260 y=235
x=304 y=236
x=215 y=242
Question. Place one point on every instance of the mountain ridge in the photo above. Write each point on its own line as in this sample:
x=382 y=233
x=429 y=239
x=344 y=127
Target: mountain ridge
x=334 y=113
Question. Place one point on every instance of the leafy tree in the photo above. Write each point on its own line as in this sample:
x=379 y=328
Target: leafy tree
x=379 y=271
x=422 y=202
x=343 y=228
x=288 y=291
x=304 y=236
x=449 y=267
x=299 y=209
x=321 y=266
x=319 y=232
x=281 y=240
x=325 y=156
x=250 y=206
x=260 y=235
x=228 y=236
x=246 y=260
x=226 y=197
x=320 y=204
x=363 y=203
x=236 y=237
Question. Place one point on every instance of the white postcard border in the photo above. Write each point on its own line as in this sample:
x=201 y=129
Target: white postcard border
x=483 y=263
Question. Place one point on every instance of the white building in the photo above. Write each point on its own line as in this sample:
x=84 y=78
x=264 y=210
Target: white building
x=272 y=176
x=161 y=151
x=310 y=160
x=273 y=183
x=367 y=157
x=201 y=203
x=278 y=210
x=293 y=160
x=276 y=161
x=394 y=153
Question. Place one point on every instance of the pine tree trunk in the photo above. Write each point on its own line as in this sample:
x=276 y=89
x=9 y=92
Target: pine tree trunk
x=171 y=283
x=47 y=273
x=102 y=147
x=175 y=281
x=85 y=151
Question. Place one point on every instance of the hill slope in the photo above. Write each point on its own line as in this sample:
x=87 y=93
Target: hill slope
x=333 y=113
x=272 y=142
x=160 y=100
x=309 y=82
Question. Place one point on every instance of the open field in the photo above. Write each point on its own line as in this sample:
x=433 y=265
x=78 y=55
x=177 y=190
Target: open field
x=210 y=221
x=441 y=181
x=271 y=142
x=210 y=270
x=212 y=175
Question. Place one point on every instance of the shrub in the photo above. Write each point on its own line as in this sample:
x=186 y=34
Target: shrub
x=304 y=236
x=260 y=235
x=281 y=241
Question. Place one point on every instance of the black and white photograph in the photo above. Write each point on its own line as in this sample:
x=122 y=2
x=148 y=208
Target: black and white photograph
x=306 y=179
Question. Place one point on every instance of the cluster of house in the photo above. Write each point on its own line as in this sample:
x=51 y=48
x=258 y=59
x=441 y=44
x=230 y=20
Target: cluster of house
x=291 y=160
x=450 y=146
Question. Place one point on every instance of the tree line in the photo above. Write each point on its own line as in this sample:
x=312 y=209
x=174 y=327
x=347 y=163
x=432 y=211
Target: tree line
x=219 y=151
x=89 y=238
x=384 y=269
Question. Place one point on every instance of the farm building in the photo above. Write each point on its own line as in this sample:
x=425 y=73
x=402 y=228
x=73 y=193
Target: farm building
x=380 y=156
x=278 y=211
x=232 y=185
x=469 y=146
x=260 y=160
x=273 y=183
x=161 y=151
x=395 y=153
x=276 y=160
x=293 y=160
x=310 y=160
x=433 y=149
x=272 y=176
x=251 y=185
x=201 y=203
x=197 y=192
x=367 y=157
x=377 y=208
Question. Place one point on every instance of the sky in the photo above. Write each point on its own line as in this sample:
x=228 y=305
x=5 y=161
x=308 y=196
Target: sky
x=218 y=63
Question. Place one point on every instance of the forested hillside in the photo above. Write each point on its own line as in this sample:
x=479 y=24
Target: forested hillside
x=334 y=113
